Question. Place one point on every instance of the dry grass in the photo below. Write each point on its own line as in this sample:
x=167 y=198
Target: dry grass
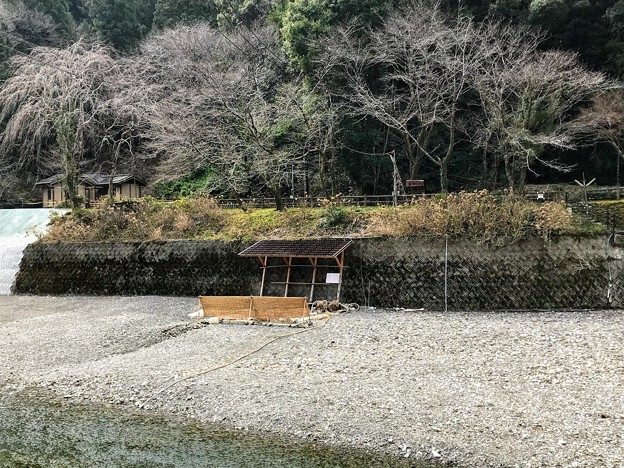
x=145 y=219
x=478 y=216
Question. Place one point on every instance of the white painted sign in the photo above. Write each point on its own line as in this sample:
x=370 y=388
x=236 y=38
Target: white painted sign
x=333 y=278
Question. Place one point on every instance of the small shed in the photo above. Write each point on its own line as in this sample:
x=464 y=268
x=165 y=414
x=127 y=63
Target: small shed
x=290 y=254
x=93 y=187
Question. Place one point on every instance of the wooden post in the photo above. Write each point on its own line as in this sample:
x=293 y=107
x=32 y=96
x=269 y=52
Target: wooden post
x=314 y=262
x=289 y=263
x=340 y=265
x=264 y=270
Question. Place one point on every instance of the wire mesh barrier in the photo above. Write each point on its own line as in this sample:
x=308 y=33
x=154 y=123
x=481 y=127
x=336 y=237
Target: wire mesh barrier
x=568 y=273
x=609 y=214
x=175 y=268
x=401 y=272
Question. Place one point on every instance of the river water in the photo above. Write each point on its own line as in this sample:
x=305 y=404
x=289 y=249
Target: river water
x=39 y=432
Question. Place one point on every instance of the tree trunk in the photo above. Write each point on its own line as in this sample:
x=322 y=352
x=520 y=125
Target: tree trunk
x=277 y=196
x=619 y=153
x=72 y=178
x=69 y=141
x=332 y=174
x=444 y=161
x=617 y=177
x=322 y=173
x=444 y=188
x=110 y=200
x=522 y=179
x=411 y=158
x=509 y=172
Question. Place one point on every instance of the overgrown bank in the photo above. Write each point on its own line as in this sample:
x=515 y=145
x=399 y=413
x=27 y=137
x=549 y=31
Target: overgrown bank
x=476 y=216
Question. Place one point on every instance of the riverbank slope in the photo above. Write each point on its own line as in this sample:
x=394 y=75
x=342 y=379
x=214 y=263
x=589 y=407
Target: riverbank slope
x=477 y=389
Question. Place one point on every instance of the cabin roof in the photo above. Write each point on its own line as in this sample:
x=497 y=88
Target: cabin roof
x=95 y=179
x=319 y=248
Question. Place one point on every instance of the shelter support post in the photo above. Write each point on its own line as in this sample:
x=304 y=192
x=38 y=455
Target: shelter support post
x=341 y=267
x=263 y=262
x=314 y=262
x=289 y=263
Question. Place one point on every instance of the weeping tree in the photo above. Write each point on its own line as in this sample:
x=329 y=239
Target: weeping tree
x=55 y=109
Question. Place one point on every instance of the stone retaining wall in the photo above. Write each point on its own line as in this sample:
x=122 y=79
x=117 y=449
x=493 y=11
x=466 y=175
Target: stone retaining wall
x=180 y=268
x=567 y=273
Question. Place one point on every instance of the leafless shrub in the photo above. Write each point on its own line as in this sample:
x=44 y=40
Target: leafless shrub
x=141 y=220
x=477 y=216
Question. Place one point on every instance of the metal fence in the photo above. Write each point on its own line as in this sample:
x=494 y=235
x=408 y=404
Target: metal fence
x=455 y=276
x=410 y=273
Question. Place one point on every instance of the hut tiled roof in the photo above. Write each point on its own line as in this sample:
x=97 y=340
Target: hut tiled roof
x=320 y=248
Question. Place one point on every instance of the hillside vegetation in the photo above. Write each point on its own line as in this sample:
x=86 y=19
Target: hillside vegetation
x=310 y=97
x=479 y=216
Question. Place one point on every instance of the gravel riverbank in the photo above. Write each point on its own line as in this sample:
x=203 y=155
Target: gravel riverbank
x=475 y=389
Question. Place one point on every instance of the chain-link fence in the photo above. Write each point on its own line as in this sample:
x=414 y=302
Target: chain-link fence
x=440 y=275
x=406 y=272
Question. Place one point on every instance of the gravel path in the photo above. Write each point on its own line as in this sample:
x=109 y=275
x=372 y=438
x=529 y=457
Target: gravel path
x=477 y=389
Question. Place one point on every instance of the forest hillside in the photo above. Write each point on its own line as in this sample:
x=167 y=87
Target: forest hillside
x=281 y=98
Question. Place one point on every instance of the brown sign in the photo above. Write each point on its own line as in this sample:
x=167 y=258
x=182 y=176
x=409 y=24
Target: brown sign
x=415 y=183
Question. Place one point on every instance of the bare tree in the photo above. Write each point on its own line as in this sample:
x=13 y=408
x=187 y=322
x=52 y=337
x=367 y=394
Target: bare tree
x=527 y=101
x=224 y=101
x=603 y=122
x=426 y=61
x=56 y=107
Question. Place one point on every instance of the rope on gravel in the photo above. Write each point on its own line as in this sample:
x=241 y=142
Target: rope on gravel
x=227 y=364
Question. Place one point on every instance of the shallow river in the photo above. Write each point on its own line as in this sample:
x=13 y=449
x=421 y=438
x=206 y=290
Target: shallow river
x=35 y=432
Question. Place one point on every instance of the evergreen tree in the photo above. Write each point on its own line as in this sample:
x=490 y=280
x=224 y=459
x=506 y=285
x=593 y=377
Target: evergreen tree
x=122 y=23
x=58 y=10
x=304 y=21
x=78 y=10
x=615 y=47
x=583 y=26
x=168 y=13
x=231 y=13
x=21 y=29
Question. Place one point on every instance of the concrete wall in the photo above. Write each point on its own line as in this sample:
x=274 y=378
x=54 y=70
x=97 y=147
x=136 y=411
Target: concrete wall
x=568 y=273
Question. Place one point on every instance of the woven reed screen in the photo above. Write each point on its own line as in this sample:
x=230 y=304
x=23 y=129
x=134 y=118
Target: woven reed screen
x=264 y=309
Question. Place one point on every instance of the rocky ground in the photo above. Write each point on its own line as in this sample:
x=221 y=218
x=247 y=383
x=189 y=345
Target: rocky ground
x=476 y=389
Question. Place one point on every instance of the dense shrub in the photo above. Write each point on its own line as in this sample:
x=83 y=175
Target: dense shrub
x=477 y=216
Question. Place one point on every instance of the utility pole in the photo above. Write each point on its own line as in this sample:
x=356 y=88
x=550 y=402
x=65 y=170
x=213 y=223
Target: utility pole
x=396 y=176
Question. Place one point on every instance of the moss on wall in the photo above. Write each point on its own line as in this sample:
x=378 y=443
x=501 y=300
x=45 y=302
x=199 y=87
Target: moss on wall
x=181 y=268
x=569 y=273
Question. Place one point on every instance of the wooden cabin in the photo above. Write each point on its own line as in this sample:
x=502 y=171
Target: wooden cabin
x=93 y=187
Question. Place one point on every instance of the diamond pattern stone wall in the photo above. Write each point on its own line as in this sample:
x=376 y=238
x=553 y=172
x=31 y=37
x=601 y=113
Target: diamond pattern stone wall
x=569 y=273
x=409 y=273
